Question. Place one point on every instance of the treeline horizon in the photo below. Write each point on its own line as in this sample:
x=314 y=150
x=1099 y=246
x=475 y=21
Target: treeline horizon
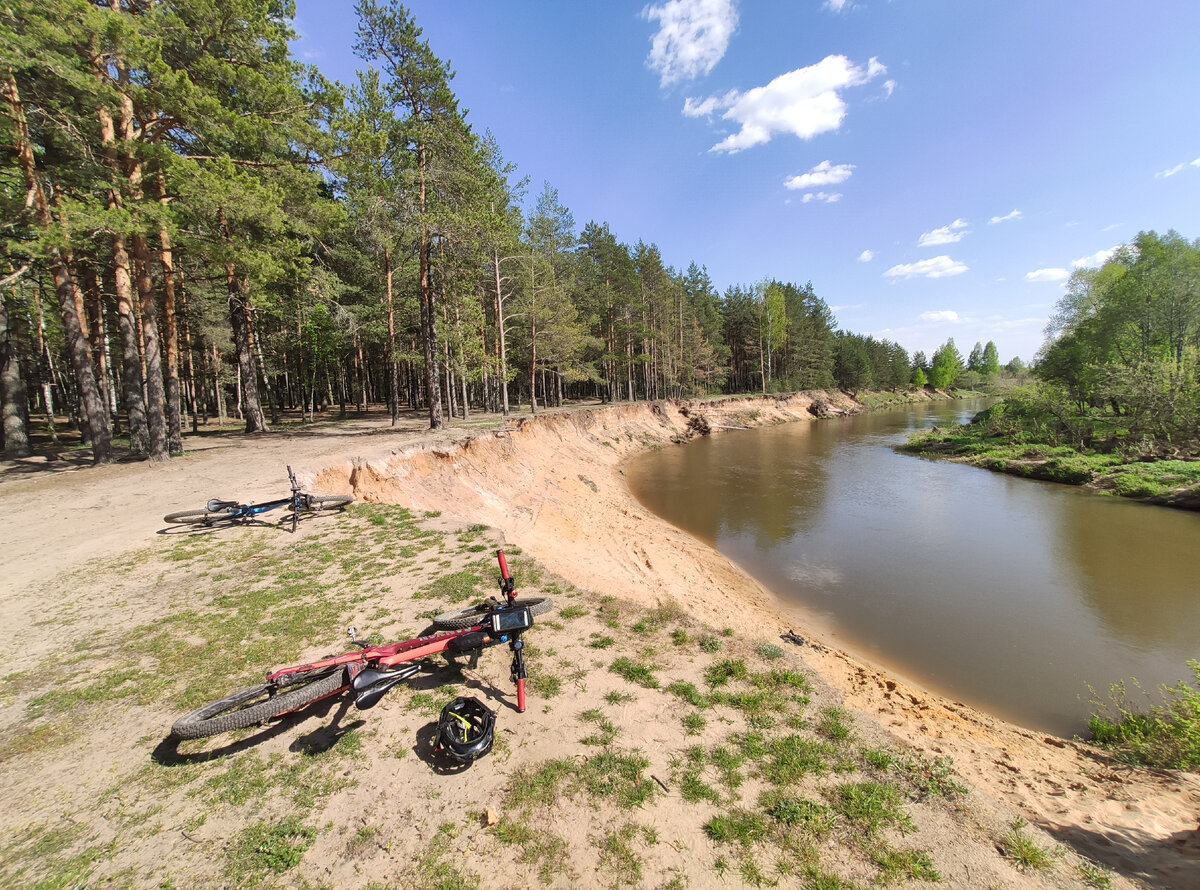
x=197 y=224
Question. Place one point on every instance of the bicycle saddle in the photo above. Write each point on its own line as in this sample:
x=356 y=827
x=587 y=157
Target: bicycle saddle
x=216 y=506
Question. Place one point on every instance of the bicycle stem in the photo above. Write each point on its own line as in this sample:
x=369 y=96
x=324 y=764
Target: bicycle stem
x=509 y=588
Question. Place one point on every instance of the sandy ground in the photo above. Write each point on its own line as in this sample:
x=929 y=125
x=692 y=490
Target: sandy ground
x=553 y=486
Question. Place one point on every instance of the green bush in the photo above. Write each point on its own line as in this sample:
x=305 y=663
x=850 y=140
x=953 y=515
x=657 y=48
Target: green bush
x=1168 y=735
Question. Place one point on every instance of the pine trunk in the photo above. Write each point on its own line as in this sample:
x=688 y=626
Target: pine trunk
x=81 y=364
x=13 y=398
x=155 y=397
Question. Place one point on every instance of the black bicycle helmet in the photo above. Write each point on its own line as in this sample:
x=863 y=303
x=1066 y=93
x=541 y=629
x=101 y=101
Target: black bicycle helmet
x=466 y=729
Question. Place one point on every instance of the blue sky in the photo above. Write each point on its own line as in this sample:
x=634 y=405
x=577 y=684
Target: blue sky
x=936 y=168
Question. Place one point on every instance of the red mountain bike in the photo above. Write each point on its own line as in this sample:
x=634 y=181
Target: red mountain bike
x=370 y=671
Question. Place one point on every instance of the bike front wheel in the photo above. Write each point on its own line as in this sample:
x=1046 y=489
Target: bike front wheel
x=258 y=704
x=537 y=605
x=199 y=517
x=316 y=502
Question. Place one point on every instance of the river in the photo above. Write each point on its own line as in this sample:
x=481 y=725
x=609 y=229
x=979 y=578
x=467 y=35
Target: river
x=1008 y=594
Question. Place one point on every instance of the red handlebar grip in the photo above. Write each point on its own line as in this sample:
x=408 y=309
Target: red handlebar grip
x=521 y=696
x=503 y=565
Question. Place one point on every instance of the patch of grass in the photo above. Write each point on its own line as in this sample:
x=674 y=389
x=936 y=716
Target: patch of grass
x=606 y=729
x=1094 y=875
x=268 y=847
x=609 y=612
x=794 y=756
x=694 y=723
x=870 y=805
x=635 y=672
x=599 y=641
x=717 y=675
x=728 y=763
x=617 y=697
x=572 y=611
x=689 y=693
x=928 y=777
x=709 y=643
x=736 y=827
x=619 y=775
x=781 y=678
x=879 y=758
x=455 y=587
x=618 y=857
x=817 y=878
x=835 y=724
x=769 y=651
x=797 y=812
x=903 y=865
x=439 y=869
x=693 y=788
x=541 y=784
x=679 y=637
x=1022 y=850
x=549 y=852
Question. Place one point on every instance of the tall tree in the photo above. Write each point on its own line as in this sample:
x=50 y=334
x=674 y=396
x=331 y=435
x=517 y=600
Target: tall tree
x=418 y=86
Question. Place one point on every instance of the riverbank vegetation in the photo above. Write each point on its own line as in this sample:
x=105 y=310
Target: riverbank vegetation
x=1167 y=735
x=199 y=225
x=1115 y=399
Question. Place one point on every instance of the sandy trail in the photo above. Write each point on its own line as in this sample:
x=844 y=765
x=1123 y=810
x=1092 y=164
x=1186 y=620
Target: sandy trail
x=554 y=486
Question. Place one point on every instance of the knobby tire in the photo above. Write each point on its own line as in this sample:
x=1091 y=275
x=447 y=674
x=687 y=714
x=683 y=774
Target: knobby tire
x=199 y=517
x=318 y=502
x=255 y=705
x=536 y=605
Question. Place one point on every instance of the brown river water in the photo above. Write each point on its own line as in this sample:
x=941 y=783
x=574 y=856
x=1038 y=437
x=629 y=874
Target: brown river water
x=1008 y=594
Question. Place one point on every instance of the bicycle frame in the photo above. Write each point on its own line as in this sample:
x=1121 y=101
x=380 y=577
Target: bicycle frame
x=249 y=511
x=391 y=654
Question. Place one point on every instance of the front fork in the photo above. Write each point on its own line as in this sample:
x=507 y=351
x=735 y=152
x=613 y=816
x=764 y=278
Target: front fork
x=518 y=672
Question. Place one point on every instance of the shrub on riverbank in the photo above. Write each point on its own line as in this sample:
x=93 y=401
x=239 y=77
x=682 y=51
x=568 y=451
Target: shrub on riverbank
x=1029 y=435
x=1168 y=735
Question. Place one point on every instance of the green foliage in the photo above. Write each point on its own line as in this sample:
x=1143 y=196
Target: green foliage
x=635 y=672
x=269 y=847
x=1166 y=735
x=870 y=805
x=1022 y=850
x=739 y=826
x=947 y=364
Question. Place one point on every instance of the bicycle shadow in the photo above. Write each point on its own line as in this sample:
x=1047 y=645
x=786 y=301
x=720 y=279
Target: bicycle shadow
x=282 y=524
x=324 y=737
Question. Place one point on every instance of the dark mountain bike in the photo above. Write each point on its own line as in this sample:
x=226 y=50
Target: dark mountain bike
x=370 y=671
x=219 y=511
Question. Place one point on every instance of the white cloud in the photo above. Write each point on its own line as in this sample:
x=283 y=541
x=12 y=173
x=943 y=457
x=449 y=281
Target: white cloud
x=1047 y=275
x=950 y=234
x=822 y=196
x=1097 y=259
x=936 y=267
x=805 y=102
x=940 y=316
x=1016 y=214
x=836 y=5
x=866 y=256
x=889 y=87
x=1171 y=171
x=824 y=173
x=692 y=37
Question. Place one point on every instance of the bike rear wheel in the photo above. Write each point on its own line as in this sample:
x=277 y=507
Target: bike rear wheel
x=199 y=517
x=537 y=605
x=258 y=704
x=317 y=502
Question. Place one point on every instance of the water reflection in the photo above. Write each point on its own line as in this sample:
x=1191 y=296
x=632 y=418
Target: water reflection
x=1123 y=581
x=1009 y=594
